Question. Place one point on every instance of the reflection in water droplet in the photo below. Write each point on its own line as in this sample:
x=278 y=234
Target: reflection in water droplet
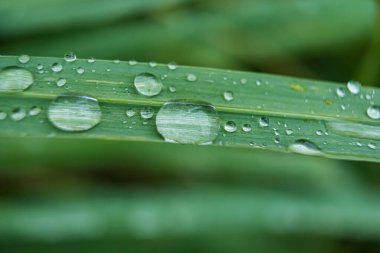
x=147 y=112
x=228 y=95
x=354 y=86
x=247 y=128
x=190 y=122
x=148 y=84
x=3 y=115
x=61 y=82
x=305 y=147
x=73 y=112
x=80 y=70
x=130 y=112
x=56 y=67
x=340 y=92
x=15 y=79
x=34 y=111
x=230 y=126
x=24 y=58
x=373 y=112
x=264 y=121
x=18 y=114
x=70 y=57
x=191 y=77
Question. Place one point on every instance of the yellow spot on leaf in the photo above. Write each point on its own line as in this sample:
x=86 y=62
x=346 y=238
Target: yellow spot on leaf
x=297 y=87
x=328 y=101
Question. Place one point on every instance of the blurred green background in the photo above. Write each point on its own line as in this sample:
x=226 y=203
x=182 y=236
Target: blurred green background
x=60 y=195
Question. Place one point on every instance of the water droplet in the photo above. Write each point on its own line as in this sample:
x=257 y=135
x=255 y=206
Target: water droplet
x=130 y=112
x=319 y=132
x=246 y=128
x=191 y=77
x=264 y=122
x=56 y=67
x=277 y=140
x=172 y=65
x=258 y=82
x=372 y=145
x=172 y=89
x=132 y=62
x=288 y=131
x=73 y=112
x=147 y=84
x=70 y=57
x=373 y=112
x=15 y=79
x=80 y=70
x=354 y=86
x=243 y=81
x=305 y=147
x=3 y=115
x=91 y=60
x=24 y=58
x=34 y=111
x=230 y=126
x=190 y=122
x=153 y=64
x=61 y=82
x=340 y=92
x=116 y=61
x=18 y=114
x=147 y=112
x=40 y=66
x=228 y=95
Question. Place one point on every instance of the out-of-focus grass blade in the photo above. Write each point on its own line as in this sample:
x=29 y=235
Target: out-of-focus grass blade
x=28 y=17
x=299 y=115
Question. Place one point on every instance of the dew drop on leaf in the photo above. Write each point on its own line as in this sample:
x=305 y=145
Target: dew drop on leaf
x=147 y=84
x=15 y=79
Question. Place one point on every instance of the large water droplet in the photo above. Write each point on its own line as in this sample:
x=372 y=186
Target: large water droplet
x=24 y=58
x=228 y=95
x=354 y=86
x=70 y=57
x=305 y=147
x=56 y=67
x=130 y=112
x=148 y=84
x=72 y=112
x=15 y=79
x=246 y=127
x=188 y=122
x=230 y=127
x=18 y=114
x=373 y=112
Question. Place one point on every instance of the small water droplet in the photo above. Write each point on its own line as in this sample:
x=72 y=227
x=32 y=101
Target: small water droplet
x=56 y=67
x=116 y=61
x=191 y=122
x=73 y=112
x=228 y=95
x=147 y=112
x=132 y=62
x=147 y=84
x=230 y=126
x=70 y=57
x=319 y=132
x=340 y=92
x=354 y=86
x=34 y=111
x=191 y=77
x=60 y=82
x=130 y=112
x=305 y=147
x=80 y=70
x=288 y=131
x=373 y=112
x=3 y=115
x=15 y=79
x=243 y=81
x=40 y=66
x=372 y=145
x=172 y=65
x=18 y=114
x=153 y=64
x=91 y=60
x=277 y=140
x=264 y=122
x=258 y=82
x=172 y=89
x=247 y=127
x=24 y=58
